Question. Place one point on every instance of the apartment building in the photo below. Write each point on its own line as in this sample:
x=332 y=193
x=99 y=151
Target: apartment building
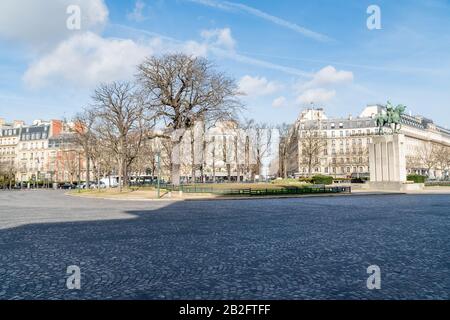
x=9 y=138
x=344 y=146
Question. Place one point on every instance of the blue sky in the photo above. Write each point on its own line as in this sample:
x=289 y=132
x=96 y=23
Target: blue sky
x=284 y=54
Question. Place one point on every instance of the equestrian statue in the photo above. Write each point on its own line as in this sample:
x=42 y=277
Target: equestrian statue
x=390 y=119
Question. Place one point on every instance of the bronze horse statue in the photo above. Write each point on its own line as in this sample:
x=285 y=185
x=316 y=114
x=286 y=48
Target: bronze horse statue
x=392 y=116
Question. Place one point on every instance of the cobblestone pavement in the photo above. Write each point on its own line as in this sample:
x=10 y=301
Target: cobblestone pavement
x=310 y=248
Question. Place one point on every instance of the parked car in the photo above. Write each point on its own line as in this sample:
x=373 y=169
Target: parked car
x=67 y=186
x=101 y=185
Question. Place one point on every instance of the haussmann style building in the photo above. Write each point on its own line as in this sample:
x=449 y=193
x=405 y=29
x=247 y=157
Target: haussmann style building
x=317 y=144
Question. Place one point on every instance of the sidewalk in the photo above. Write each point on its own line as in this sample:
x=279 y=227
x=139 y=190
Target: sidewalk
x=176 y=196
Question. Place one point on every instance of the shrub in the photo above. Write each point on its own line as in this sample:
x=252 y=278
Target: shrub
x=417 y=178
x=305 y=179
x=320 y=179
x=359 y=180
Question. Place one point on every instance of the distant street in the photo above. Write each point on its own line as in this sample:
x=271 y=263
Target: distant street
x=308 y=248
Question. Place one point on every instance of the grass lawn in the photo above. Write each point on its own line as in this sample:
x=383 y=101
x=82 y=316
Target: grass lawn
x=203 y=190
x=253 y=186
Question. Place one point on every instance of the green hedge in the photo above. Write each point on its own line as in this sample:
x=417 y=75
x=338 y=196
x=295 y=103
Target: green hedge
x=417 y=178
x=320 y=179
x=438 y=184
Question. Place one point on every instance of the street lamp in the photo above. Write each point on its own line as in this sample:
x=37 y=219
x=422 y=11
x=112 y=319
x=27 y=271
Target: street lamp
x=158 y=162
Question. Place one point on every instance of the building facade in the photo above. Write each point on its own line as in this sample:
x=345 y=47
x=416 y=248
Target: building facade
x=317 y=144
x=42 y=151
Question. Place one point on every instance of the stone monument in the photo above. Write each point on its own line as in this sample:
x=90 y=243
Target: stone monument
x=387 y=154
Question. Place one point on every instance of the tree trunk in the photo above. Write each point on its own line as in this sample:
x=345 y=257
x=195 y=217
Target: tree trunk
x=175 y=168
x=247 y=156
x=98 y=176
x=214 y=166
x=236 y=159
x=120 y=173
x=193 y=166
x=125 y=175
x=88 y=170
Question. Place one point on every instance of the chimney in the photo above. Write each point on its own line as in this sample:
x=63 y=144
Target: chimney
x=18 y=123
x=2 y=122
x=55 y=128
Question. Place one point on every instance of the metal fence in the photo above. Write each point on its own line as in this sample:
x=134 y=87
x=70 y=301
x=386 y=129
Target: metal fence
x=258 y=191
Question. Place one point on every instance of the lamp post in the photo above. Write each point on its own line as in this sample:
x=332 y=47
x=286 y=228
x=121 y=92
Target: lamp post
x=79 y=172
x=158 y=162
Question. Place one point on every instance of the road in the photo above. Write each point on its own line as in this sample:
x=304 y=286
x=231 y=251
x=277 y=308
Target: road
x=309 y=248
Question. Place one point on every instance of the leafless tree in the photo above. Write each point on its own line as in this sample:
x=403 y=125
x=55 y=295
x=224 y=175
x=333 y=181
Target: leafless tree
x=312 y=145
x=427 y=155
x=181 y=90
x=213 y=157
x=69 y=159
x=261 y=143
x=8 y=171
x=442 y=156
x=122 y=122
x=285 y=136
x=84 y=138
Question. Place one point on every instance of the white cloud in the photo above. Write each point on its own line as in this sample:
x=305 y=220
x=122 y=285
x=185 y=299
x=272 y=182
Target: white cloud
x=256 y=86
x=279 y=102
x=317 y=96
x=219 y=37
x=192 y=48
x=321 y=88
x=87 y=59
x=328 y=76
x=203 y=49
x=43 y=23
x=137 y=14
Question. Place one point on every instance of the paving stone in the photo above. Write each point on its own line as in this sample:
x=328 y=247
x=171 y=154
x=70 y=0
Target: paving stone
x=309 y=248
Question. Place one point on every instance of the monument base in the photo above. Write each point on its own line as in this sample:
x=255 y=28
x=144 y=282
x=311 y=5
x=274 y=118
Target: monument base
x=395 y=186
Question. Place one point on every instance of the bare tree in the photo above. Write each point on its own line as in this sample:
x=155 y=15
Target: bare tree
x=427 y=156
x=442 y=156
x=8 y=171
x=285 y=136
x=413 y=162
x=213 y=158
x=312 y=145
x=122 y=122
x=84 y=138
x=69 y=159
x=261 y=142
x=145 y=160
x=183 y=89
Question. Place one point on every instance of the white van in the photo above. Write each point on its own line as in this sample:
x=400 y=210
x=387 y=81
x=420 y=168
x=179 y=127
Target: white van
x=110 y=182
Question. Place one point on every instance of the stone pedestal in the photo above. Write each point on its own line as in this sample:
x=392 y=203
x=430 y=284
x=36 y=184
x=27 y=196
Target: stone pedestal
x=387 y=159
x=387 y=163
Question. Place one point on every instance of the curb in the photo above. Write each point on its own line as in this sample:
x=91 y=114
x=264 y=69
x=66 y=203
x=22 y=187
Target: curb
x=359 y=194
